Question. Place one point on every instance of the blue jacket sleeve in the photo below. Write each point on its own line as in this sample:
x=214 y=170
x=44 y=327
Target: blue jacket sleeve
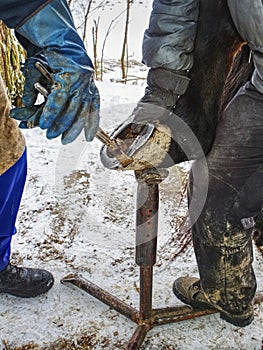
x=14 y=12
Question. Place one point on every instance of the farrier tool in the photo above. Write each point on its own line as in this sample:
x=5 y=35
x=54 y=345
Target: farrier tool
x=117 y=148
x=117 y=155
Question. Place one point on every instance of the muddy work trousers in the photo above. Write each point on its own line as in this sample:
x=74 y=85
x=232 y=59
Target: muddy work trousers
x=222 y=235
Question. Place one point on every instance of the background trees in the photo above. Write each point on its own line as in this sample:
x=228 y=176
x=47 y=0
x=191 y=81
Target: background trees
x=87 y=16
x=88 y=19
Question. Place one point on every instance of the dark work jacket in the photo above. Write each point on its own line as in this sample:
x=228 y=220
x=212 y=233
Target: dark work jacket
x=14 y=12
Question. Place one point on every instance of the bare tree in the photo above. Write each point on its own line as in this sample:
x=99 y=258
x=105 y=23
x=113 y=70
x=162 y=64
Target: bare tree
x=124 y=54
x=104 y=42
x=86 y=16
x=95 y=30
x=82 y=9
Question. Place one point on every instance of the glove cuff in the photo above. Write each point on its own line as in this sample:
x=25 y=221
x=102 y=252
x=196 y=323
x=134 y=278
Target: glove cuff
x=52 y=29
x=170 y=82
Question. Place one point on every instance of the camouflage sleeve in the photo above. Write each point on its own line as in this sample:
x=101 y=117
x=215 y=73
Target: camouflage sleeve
x=169 y=40
x=248 y=19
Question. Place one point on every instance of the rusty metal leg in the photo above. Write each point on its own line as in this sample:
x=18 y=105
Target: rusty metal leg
x=138 y=337
x=147 y=207
x=146 y=245
x=99 y=293
x=146 y=283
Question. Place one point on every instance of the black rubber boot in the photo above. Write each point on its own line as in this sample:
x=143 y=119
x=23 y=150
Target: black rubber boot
x=25 y=282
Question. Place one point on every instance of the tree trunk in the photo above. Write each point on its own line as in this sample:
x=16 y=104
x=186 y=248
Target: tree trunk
x=86 y=17
x=125 y=39
x=95 y=30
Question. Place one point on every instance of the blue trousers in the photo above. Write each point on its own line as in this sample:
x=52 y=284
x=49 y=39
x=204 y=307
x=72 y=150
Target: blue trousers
x=11 y=189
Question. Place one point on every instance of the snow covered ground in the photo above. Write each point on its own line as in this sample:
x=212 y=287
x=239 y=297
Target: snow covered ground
x=87 y=226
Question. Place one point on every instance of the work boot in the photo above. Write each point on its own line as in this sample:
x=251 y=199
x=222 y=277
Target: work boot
x=25 y=282
x=189 y=291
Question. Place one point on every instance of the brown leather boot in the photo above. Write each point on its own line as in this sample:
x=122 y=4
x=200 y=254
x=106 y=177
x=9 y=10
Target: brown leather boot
x=189 y=291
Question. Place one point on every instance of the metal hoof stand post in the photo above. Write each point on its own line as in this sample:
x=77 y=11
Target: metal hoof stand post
x=146 y=242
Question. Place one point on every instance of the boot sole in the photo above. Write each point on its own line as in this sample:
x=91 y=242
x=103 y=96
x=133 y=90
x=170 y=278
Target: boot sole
x=29 y=294
x=237 y=321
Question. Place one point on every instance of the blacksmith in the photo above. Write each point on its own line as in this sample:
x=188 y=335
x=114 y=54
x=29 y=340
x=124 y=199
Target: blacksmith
x=222 y=235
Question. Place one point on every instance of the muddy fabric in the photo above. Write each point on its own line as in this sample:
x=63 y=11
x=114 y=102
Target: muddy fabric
x=258 y=230
x=12 y=142
x=169 y=40
x=222 y=235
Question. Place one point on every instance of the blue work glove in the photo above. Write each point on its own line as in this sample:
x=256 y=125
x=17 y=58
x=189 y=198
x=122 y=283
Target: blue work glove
x=73 y=102
x=31 y=114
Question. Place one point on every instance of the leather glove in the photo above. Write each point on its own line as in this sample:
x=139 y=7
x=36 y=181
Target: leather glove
x=164 y=87
x=161 y=95
x=73 y=102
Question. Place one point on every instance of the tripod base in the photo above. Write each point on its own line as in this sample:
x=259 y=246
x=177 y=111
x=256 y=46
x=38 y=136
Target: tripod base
x=146 y=317
x=156 y=317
